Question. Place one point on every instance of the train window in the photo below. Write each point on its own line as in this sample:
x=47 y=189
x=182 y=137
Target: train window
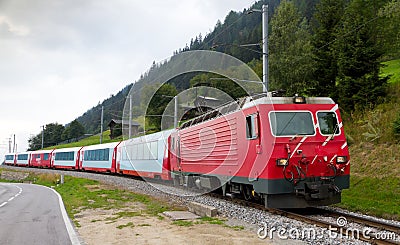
x=140 y=154
x=64 y=156
x=102 y=155
x=251 y=126
x=146 y=151
x=291 y=123
x=134 y=152
x=328 y=123
x=22 y=157
x=9 y=157
x=106 y=154
x=154 y=150
x=46 y=156
x=142 y=151
x=86 y=155
x=130 y=152
x=97 y=155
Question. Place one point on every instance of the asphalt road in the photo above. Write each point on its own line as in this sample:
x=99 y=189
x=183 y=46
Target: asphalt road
x=32 y=214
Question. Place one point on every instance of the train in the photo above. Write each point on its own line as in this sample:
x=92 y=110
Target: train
x=286 y=152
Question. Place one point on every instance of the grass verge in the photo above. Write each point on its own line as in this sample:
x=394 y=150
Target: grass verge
x=79 y=194
x=375 y=196
x=206 y=220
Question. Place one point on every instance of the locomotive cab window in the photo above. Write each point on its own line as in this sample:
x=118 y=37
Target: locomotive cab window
x=291 y=123
x=328 y=123
x=251 y=126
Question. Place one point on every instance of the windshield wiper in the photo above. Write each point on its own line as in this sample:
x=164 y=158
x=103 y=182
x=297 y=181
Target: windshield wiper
x=287 y=124
x=330 y=137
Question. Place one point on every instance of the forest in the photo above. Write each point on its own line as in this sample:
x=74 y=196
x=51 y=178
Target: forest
x=330 y=48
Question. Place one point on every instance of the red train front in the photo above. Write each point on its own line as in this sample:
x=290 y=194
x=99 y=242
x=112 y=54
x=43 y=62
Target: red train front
x=288 y=152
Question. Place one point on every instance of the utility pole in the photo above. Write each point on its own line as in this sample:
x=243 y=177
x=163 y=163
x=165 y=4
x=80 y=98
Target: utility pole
x=9 y=145
x=264 y=12
x=176 y=112
x=130 y=117
x=42 y=136
x=175 y=98
x=14 y=147
x=101 y=125
x=265 y=47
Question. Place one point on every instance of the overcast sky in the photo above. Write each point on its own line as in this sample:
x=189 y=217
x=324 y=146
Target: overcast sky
x=59 y=58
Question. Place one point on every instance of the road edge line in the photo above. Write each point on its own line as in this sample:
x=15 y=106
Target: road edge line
x=73 y=236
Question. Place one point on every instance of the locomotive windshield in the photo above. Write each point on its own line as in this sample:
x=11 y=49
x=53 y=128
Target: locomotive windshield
x=291 y=123
x=328 y=123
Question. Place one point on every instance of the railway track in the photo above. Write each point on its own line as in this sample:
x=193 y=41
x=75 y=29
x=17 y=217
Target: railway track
x=377 y=224
x=373 y=231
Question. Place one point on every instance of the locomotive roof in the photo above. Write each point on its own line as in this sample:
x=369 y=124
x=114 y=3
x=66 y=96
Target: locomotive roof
x=251 y=101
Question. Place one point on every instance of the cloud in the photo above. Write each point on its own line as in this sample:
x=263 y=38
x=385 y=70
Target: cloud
x=9 y=30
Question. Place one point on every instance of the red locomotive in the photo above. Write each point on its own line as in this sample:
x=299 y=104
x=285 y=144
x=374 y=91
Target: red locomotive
x=288 y=152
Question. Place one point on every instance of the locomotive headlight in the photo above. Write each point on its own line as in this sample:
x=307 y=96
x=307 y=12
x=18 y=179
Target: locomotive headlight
x=282 y=162
x=341 y=159
x=299 y=99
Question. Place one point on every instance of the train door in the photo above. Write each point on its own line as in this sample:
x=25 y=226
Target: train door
x=80 y=156
x=254 y=146
x=53 y=157
x=78 y=161
x=178 y=153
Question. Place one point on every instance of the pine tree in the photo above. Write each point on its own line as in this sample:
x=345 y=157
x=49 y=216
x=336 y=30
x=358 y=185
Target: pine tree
x=390 y=32
x=73 y=130
x=291 y=61
x=325 y=24
x=358 y=81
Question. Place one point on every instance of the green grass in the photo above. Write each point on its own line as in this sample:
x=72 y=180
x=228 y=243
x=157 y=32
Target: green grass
x=217 y=221
x=185 y=223
x=212 y=220
x=376 y=196
x=143 y=225
x=78 y=194
x=92 y=140
x=130 y=224
x=391 y=68
x=202 y=220
x=119 y=215
x=375 y=125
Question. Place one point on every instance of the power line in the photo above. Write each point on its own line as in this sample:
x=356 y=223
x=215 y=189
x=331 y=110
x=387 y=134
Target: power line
x=226 y=28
